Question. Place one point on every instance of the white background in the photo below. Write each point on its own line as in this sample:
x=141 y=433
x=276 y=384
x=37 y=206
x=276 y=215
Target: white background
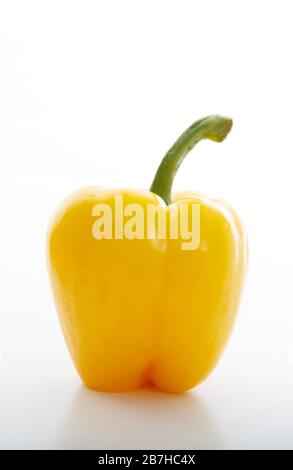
x=95 y=93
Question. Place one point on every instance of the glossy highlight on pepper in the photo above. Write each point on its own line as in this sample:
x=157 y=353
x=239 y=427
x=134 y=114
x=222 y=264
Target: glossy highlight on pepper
x=137 y=312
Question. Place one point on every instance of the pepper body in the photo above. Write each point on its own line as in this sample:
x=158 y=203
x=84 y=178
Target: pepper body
x=138 y=312
x=135 y=312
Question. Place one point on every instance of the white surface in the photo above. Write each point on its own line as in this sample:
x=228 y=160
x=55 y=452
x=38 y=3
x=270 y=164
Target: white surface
x=94 y=93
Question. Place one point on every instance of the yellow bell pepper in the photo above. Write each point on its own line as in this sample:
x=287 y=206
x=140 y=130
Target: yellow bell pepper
x=145 y=311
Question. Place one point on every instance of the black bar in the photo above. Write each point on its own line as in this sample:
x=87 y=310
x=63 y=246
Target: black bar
x=137 y=458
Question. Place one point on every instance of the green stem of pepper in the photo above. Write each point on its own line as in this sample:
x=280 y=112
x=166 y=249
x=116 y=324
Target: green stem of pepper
x=214 y=128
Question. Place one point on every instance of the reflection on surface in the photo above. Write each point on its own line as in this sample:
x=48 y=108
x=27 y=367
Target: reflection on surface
x=142 y=419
